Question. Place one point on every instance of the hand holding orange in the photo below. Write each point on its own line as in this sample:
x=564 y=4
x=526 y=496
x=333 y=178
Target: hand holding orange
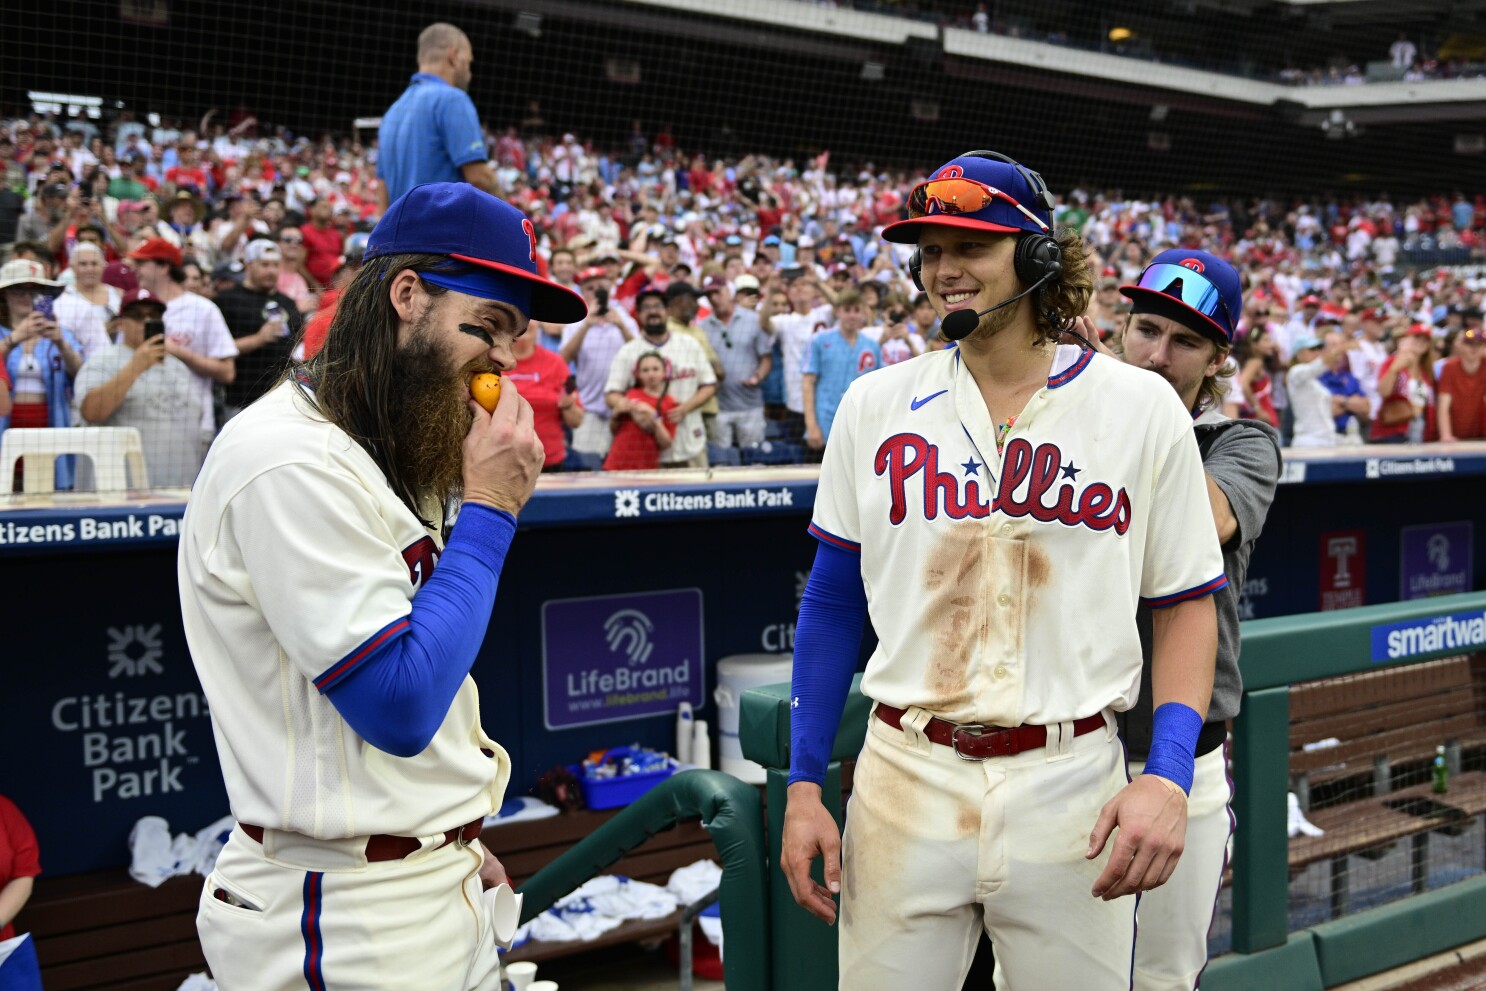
x=485 y=389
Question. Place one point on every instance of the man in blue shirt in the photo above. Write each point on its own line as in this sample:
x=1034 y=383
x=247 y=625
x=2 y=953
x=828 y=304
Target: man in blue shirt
x=836 y=357
x=432 y=133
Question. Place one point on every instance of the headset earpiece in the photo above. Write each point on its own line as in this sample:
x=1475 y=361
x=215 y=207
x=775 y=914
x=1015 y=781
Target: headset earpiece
x=916 y=269
x=1037 y=257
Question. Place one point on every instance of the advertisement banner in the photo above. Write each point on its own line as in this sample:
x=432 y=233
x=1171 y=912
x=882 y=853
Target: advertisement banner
x=1434 y=559
x=613 y=657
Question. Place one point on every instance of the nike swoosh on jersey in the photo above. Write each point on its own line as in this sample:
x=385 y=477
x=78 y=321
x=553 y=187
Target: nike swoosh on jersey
x=915 y=403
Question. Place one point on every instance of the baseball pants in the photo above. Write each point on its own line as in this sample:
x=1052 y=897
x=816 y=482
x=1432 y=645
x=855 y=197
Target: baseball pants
x=1173 y=920
x=315 y=916
x=937 y=847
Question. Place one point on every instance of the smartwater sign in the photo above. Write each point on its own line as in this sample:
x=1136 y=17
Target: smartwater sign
x=1434 y=559
x=614 y=657
x=1462 y=632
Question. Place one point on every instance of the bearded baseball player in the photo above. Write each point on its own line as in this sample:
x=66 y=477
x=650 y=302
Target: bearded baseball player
x=334 y=655
x=1000 y=510
x=1184 y=311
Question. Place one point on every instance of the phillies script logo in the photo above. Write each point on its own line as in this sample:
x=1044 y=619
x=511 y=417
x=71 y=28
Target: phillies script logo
x=420 y=557
x=1034 y=472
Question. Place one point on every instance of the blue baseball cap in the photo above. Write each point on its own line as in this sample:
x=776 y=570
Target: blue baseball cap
x=468 y=225
x=1196 y=288
x=998 y=197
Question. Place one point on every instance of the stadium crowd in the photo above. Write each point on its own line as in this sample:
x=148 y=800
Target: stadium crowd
x=1403 y=60
x=162 y=277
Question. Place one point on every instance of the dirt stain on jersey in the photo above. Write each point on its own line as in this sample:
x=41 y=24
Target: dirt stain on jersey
x=882 y=819
x=955 y=614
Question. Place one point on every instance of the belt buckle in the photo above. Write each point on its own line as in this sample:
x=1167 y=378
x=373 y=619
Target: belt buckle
x=976 y=730
x=1003 y=740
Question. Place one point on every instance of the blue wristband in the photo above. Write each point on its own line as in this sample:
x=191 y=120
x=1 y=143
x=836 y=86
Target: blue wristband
x=1174 y=731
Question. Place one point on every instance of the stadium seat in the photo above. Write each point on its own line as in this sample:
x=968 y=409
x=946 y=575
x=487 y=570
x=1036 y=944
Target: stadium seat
x=722 y=454
x=111 y=449
x=583 y=461
x=774 y=453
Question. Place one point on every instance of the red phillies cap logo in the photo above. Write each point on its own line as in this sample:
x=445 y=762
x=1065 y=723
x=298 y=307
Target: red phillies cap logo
x=950 y=172
x=1191 y=263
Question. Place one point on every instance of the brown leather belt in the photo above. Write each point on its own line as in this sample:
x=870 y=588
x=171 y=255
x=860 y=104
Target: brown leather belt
x=974 y=741
x=382 y=847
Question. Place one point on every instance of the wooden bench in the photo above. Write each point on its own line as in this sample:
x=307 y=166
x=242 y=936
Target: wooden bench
x=1381 y=722
x=105 y=930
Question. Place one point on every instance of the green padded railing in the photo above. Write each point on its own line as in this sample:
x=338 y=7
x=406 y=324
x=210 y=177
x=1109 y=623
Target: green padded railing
x=730 y=811
x=1276 y=654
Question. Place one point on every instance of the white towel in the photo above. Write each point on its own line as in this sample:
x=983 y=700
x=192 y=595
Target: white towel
x=1298 y=824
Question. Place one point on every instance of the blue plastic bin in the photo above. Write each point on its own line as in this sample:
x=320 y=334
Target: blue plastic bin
x=609 y=793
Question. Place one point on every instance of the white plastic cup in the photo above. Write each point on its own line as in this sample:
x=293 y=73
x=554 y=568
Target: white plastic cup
x=521 y=974
x=542 y=986
x=505 y=913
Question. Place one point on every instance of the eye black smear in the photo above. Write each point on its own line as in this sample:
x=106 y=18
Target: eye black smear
x=475 y=330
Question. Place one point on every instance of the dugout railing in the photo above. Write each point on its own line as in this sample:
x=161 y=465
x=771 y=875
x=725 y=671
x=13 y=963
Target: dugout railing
x=1277 y=653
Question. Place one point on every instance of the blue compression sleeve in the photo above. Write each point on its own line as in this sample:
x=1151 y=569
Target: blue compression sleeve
x=398 y=695
x=828 y=638
x=1174 y=729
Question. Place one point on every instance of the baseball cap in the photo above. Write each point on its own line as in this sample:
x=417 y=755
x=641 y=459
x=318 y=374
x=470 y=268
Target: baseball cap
x=647 y=290
x=260 y=250
x=1475 y=335
x=138 y=297
x=228 y=271
x=460 y=221
x=678 y=289
x=713 y=283
x=1195 y=288
x=120 y=276
x=591 y=272
x=975 y=193
x=806 y=242
x=1310 y=301
x=745 y=283
x=1376 y=314
x=25 y=272
x=732 y=240
x=54 y=189
x=157 y=249
x=1419 y=330
x=772 y=239
x=1305 y=341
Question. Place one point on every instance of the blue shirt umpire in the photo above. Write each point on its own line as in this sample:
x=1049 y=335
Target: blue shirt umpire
x=432 y=133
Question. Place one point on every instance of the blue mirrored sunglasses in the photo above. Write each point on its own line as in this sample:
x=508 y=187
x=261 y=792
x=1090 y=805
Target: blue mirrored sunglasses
x=1192 y=288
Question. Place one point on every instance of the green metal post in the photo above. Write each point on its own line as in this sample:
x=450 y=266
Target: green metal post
x=1261 y=772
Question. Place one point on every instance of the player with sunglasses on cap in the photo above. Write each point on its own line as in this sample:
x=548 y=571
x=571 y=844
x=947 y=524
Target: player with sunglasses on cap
x=1184 y=311
x=1000 y=509
x=334 y=654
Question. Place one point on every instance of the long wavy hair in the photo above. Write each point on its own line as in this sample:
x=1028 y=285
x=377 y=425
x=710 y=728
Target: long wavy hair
x=349 y=380
x=1059 y=302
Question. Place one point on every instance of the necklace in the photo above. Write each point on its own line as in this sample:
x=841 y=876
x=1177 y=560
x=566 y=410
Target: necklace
x=1002 y=430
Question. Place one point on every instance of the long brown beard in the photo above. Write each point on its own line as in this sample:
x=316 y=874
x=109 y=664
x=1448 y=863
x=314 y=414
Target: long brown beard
x=430 y=416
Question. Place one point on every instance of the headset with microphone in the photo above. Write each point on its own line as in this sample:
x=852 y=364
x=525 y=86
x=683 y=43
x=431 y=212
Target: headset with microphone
x=1038 y=259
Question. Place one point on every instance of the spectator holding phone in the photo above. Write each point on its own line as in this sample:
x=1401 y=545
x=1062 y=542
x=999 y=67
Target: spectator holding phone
x=263 y=322
x=137 y=383
x=643 y=430
x=589 y=347
x=1406 y=384
x=40 y=356
x=543 y=380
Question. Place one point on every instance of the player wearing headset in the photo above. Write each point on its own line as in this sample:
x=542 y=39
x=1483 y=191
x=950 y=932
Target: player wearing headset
x=967 y=500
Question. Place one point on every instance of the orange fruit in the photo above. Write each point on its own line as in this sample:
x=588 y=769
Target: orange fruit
x=485 y=388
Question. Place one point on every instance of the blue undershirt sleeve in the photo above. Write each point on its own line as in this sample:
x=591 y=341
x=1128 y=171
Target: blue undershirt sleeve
x=828 y=638
x=398 y=695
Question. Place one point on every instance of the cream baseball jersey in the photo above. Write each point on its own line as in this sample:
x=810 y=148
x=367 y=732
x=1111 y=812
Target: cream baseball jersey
x=1003 y=588
x=296 y=558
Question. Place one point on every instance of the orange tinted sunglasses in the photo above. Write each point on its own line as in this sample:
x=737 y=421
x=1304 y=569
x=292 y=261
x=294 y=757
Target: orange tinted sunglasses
x=960 y=195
